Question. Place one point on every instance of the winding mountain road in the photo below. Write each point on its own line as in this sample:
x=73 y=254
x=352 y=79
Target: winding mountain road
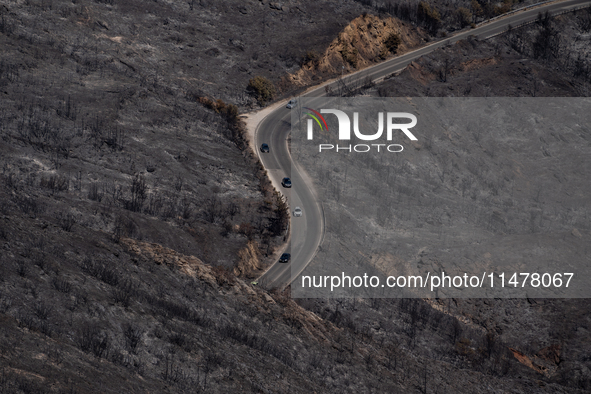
x=273 y=125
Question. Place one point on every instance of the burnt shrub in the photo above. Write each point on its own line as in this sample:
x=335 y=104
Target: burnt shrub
x=42 y=310
x=139 y=193
x=90 y=339
x=255 y=341
x=45 y=328
x=94 y=193
x=66 y=220
x=123 y=293
x=29 y=205
x=26 y=320
x=55 y=183
x=62 y=285
x=179 y=339
x=100 y=271
x=67 y=109
x=27 y=386
x=113 y=138
x=5 y=28
x=22 y=269
x=133 y=335
x=171 y=309
x=124 y=227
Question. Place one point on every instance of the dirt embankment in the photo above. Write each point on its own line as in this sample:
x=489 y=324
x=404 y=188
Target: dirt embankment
x=545 y=361
x=249 y=260
x=362 y=43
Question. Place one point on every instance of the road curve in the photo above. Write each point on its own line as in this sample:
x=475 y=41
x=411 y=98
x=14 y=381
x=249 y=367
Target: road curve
x=274 y=130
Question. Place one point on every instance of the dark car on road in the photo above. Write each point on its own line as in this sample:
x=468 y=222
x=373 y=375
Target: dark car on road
x=284 y=258
x=265 y=148
x=286 y=182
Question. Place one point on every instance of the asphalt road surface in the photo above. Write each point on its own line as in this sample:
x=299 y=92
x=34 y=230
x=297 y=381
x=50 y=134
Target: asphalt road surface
x=274 y=130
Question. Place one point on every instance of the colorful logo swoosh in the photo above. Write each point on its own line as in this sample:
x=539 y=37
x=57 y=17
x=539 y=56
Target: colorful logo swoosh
x=315 y=116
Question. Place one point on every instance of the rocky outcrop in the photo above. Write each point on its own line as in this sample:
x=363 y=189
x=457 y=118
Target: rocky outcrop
x=359 y=45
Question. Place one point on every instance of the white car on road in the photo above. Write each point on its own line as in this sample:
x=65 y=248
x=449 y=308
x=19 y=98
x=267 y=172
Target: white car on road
x=292 y=103
x=297 y=212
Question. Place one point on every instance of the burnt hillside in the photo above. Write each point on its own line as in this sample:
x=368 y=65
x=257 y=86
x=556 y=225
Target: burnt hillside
x=132 y=218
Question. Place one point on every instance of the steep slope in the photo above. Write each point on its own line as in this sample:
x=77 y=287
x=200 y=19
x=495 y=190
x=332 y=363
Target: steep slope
x=361 y=43
x=89 y=315
x=522 y=62
x=126 y=206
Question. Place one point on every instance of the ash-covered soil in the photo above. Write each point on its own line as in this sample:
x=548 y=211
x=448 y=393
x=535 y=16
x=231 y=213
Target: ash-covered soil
x=98 y=316
x=491 y=185
x=549 y=58
x=523 y=62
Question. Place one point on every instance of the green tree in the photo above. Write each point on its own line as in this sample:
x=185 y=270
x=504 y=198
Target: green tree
x=428 y=17
x=477 y=10
x=262 y=89
x=464 y=16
